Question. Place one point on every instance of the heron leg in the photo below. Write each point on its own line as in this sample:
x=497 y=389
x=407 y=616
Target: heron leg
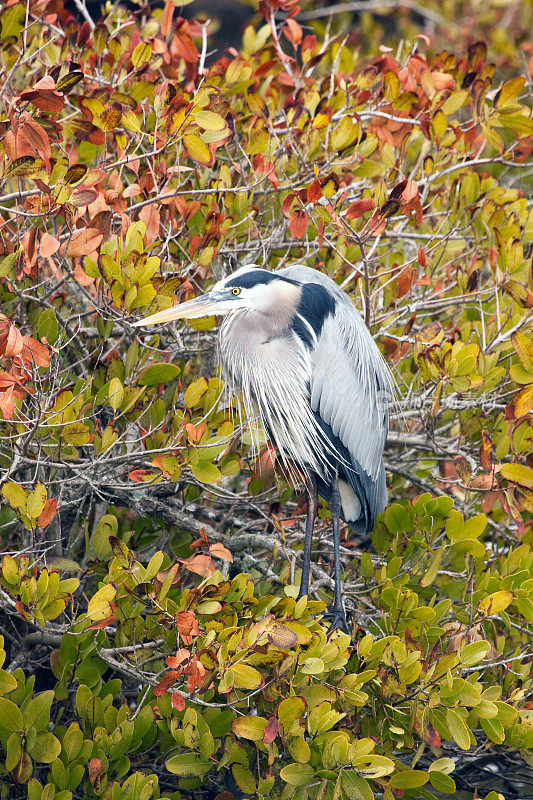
x=312 y=505
x=336 y=612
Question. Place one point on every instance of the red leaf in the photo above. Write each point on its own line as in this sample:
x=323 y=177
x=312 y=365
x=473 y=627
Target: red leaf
x=165 y=683
x=422 y=260
x=314 y=193
x=298 y=224
x=286 y=205
x=44 y=99
x=177 y=700
x=358 y=208
x=271 y=730
x=95 y=769
x=83 y=196
x=138 y=475
x=102 y=623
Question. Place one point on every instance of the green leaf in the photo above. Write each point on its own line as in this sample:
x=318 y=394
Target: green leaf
x=159 y=373
x=355 y=787
x=206 y=472
x=77 y=434
x=188 y=765
x=244 y=779
x=458 y=728
x=99 y=607
x=106 y=527
x=289 y=710
x=46 y=748
x=37 y=712
x=410 y=779
x=297 y=774
x=8 y=682
x=10 y=715
x=474 y=652
x=36 y=501
x=493 y=728
x=210 y=121
x=194 y=392
x=442 y=782
x=115 y=393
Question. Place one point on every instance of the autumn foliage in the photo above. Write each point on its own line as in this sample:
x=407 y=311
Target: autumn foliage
x=151 y=542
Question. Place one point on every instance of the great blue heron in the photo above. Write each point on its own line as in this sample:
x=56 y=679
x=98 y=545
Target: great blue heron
x=296 y=348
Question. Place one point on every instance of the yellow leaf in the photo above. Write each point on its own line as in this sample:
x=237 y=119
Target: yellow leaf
x=210 y=121
x=495 y=603
x=250 y=727
x=197 y=150
x=99 y=607
x=518 y=473
x=36 y=500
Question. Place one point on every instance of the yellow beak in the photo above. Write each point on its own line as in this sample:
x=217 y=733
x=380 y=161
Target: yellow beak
x=204 y=306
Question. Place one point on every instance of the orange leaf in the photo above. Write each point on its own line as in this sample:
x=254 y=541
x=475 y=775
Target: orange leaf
x=165 y=683
x=35 y=353
x=48 y=513
x=187 y=624
x=48 y=245
x=175 y=661
x=220 y=551
x=293 y=32
x=84 y=242
x=200 y=564
x=486 y=452
x=12 y=344
x=410 y=191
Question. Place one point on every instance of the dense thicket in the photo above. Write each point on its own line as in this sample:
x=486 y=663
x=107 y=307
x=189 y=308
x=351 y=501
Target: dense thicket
x=151 y=557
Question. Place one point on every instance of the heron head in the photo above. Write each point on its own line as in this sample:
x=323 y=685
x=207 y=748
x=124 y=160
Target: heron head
x=249 y=288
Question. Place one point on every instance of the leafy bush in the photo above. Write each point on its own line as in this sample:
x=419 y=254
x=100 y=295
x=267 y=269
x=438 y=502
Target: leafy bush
x=153 y=642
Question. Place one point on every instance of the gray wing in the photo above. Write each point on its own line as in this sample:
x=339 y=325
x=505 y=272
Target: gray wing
x=351 y=386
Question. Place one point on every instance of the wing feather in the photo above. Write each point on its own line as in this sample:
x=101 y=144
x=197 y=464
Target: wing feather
x=351 y=389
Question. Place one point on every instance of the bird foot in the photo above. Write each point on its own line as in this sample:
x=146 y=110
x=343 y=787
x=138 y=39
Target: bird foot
x=338 y=621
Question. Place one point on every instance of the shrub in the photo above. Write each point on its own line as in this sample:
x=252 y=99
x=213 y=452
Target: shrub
x=150 y=554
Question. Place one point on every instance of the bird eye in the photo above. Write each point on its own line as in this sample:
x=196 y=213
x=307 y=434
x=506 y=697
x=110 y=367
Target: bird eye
x=236 y=290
